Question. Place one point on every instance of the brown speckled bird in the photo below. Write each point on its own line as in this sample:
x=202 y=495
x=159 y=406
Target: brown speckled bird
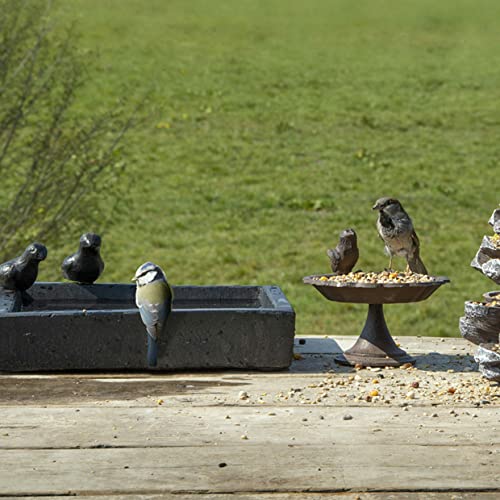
x=395 y=228
x=345 y=255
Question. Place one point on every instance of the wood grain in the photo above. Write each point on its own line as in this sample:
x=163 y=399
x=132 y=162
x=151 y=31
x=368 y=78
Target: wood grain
x=191 y=435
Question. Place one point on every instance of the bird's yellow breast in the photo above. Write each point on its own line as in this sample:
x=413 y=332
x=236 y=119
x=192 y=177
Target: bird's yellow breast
x=156 y=292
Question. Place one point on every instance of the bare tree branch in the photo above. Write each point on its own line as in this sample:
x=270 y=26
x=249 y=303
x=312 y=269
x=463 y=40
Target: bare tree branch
x=54 y=163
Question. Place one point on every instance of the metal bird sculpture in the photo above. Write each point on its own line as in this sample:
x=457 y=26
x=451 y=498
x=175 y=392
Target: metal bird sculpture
x=345 y=255
x=154 y=298
x=86 y=265
x=20 y=273
x=395 y=228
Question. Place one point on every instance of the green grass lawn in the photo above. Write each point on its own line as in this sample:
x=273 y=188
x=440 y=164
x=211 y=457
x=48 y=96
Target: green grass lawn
x=282 y=122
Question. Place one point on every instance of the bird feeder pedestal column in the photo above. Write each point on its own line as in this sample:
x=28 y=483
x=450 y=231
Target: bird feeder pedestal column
x=375 y=346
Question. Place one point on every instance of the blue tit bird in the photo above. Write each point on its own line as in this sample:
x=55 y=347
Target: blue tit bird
x=86 y=265
x=153 y=297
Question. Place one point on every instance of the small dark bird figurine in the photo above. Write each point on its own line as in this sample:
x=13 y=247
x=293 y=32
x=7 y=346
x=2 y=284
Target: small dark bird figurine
x=345 y=255
x=153 y=297
x=86 y=265
x=20 y=273
x=395 y=228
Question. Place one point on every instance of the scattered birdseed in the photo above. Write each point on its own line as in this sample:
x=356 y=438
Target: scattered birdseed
x=341 y=387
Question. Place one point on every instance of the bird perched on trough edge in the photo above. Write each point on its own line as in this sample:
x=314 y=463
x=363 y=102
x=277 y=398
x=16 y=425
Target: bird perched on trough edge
x=395 y=228
x=86 y=265
x=20 y=273
x=153 y=297
x=345 y=255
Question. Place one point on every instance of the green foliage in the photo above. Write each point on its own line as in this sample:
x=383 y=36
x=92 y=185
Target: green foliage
x=59 y=167
x=283 y=121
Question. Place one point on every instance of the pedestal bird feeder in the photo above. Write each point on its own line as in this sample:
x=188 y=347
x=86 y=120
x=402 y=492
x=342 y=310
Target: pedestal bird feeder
x=375 y=346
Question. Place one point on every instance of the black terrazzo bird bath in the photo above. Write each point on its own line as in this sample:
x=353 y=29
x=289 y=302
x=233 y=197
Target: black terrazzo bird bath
x=69 y=326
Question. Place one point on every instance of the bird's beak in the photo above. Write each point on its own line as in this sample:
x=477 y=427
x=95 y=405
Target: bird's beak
x=375 y=207
x=134 y=279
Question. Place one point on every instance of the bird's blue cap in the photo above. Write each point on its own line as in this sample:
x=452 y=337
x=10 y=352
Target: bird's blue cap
x=143 y=269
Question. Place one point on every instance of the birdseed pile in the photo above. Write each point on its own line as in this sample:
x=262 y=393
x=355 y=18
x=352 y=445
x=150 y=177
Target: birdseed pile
x=384 y=277
x=492 y=303
x=496 y=240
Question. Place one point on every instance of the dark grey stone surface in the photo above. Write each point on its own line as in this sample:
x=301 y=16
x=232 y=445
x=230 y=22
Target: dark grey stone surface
x=481 y=324
x=69 y=326
x=495 y=220
x=474 y=331
x=491 y=269
x=487 y=252
x=488 y=315
x=489 y=362
x=10 y=300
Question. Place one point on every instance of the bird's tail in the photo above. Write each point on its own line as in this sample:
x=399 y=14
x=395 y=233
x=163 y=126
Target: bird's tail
x=152 y=351
x=416 y=265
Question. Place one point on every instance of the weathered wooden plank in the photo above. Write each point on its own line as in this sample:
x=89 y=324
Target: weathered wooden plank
x=32 y=428
x=461 y=387
x=386 y=495
x=107 y=434
x=327 y=344
x=248 y=467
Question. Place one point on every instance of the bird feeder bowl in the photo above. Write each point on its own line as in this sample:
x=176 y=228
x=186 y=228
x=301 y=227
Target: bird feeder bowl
x=375 y=345
x=68 y=326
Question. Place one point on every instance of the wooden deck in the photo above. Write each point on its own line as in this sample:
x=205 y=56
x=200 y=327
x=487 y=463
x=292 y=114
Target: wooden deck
x=316 y=431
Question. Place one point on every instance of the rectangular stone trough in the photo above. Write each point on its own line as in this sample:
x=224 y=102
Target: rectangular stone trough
x=98 y=327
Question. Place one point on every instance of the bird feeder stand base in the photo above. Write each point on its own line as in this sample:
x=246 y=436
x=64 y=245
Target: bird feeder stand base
x=375 y=346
